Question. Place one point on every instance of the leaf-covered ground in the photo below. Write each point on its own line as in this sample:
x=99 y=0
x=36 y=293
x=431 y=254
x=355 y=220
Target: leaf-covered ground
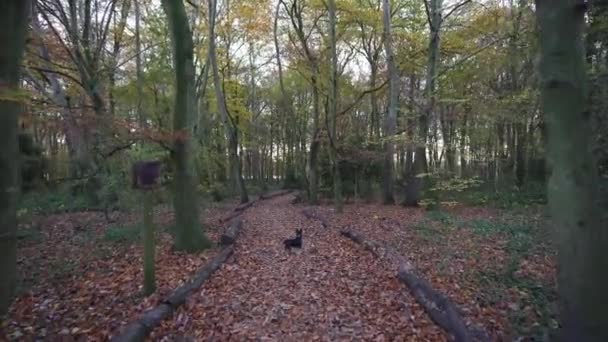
x=80 y=282
x=330 y=290
x=495 y=264
x=83 y=277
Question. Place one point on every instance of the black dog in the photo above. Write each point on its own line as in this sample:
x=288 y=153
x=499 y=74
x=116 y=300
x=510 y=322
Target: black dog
x=295 y=242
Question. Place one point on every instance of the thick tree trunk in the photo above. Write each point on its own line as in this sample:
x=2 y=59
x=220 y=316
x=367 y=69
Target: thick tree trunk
x=189 y=236
x=580 y=237
x=13 y=15
x=391 y=118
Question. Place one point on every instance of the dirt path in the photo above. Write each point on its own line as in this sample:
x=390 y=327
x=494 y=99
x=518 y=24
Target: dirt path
x=329 y=290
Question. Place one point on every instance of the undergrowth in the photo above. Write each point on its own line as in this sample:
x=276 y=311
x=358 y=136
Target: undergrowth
x=531 y=312
x=123 y=234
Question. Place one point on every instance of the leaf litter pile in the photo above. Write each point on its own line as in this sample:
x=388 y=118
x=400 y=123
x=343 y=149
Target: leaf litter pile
x=77 y=285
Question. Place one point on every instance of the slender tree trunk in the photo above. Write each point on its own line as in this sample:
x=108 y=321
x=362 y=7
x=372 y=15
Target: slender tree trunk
x=189 y=236
x=463 y=146
x=520 y=151
x=118 y=40
x=420 y=161
x=333 y=107
x=391 y=119
x=286 y=103
x=408 y=173
x=375 y=121
x=580 y=236
x=313 y=182
x=230 y=124
x=140 y=77
x=13 y=16
x=149 y=244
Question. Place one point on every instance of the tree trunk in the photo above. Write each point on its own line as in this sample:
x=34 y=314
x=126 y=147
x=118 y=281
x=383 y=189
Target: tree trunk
x=463 y=146
x=140 y=77
x=391 y=118
x=189 y=236
x=286 y=103
x=149 y=244
x=333 y=107
x=580 y=237
x=118 y=36
x=313 y=182
x=420 y=162
x=520 y=151
x=231 y=127
x=13 y=15
x=375 y=121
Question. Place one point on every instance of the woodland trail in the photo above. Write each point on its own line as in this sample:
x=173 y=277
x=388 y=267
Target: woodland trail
x=331 y=289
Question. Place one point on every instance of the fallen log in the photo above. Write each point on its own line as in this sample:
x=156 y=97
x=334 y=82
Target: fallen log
x=298 y=198
x=231 y=233
x=441 y=310
x=274 y=194
x=141 y=328
x=241 y=208
x=310 y=214
x=231 y=216
x=244 y=206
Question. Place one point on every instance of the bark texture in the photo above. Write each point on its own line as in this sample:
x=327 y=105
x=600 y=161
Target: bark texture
x=573 y=193
x=13 y=15
x=189 y=236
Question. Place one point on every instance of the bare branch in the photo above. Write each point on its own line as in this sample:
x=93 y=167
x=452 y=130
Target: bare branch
x=455 y=8
x=361 y=96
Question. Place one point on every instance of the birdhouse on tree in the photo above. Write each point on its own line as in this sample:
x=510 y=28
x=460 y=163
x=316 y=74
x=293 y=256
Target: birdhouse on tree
x=146 y=174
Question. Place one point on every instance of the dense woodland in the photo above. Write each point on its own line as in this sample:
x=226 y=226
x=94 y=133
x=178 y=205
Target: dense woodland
x=401 y=106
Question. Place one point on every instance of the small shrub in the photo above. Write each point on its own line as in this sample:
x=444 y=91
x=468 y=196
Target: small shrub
x=42 y=203
x=485 y=227
x=440 y=216
x=30 y=234
x=123 y=234
x=425 y=230
x=218 y=192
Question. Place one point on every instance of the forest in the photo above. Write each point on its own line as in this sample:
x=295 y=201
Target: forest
x=303 y=170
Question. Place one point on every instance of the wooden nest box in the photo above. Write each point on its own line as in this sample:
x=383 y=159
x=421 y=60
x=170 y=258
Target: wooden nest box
x=146 y=174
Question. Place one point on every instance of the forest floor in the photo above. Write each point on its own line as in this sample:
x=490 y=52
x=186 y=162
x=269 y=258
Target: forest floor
x=82 y=277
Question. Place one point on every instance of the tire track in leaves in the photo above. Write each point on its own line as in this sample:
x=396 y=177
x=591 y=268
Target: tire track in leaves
x=330 y=290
